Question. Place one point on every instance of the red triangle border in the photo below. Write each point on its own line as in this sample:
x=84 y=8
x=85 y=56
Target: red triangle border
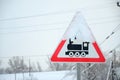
x=55 y=57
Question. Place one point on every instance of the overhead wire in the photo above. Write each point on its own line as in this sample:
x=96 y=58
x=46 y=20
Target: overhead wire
x=108 y=18
x=104 y=22
x=46 y=24
x=116 y=38
x=34 y=30
x=113 y=32
x=53 y=13
x=49 y=24
x=39 y=28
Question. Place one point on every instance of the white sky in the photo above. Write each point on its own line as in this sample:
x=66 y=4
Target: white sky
x=30 y=36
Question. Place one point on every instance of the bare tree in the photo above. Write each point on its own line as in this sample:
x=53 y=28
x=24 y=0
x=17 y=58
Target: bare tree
x=58 y=66
x=17 y=64
x=39 y=67
x=8 y=70
x=1 y=69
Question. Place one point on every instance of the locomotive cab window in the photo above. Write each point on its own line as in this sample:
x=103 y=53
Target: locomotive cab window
x=85 y=44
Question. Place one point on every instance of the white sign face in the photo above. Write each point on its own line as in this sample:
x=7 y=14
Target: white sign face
x=78 y=44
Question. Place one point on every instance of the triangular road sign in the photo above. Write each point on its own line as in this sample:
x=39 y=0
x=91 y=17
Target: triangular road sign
x=78 y=44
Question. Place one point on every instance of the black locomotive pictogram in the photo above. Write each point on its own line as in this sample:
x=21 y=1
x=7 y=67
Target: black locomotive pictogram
x=77 y=49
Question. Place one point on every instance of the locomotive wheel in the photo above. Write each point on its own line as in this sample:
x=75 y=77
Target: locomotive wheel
x=77 y=54
x=71 y=54
x=83 y=54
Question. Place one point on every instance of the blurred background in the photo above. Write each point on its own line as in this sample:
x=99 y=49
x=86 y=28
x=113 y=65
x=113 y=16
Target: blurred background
x=30 y=31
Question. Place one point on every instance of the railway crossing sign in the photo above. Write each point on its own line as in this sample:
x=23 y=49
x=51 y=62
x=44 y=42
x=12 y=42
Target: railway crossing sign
x=78 y=44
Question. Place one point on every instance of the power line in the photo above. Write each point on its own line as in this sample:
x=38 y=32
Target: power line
x=38 y=30
x=113 y=32
x=33 y=31
x=108 y=17
x=115 y=37
x=51 y=24
x=25 y=17
x=105 y=22
x=51 y=13
x=116 y=29
x=57 y=23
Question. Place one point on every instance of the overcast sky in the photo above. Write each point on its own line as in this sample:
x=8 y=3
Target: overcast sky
x=35 y=27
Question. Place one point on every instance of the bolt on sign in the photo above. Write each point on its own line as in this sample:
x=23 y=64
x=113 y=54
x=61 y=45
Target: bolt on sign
x=78 y=44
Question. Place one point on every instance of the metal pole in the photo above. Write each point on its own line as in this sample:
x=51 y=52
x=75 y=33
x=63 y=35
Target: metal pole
x=78 y=72
x=109 y=70
x=15 y=72
x=29 y=68
x=114 y=58
x=88 y=72
x=113 y=64
x=15 y=75
x=112 y=71
x=23 y=67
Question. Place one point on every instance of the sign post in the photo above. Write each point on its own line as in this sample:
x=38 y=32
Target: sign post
x=78 y=71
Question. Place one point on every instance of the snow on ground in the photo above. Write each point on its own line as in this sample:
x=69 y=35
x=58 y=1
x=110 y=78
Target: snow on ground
x=56 y=75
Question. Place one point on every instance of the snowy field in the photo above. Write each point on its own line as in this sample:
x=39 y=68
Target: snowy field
x=58 y=75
